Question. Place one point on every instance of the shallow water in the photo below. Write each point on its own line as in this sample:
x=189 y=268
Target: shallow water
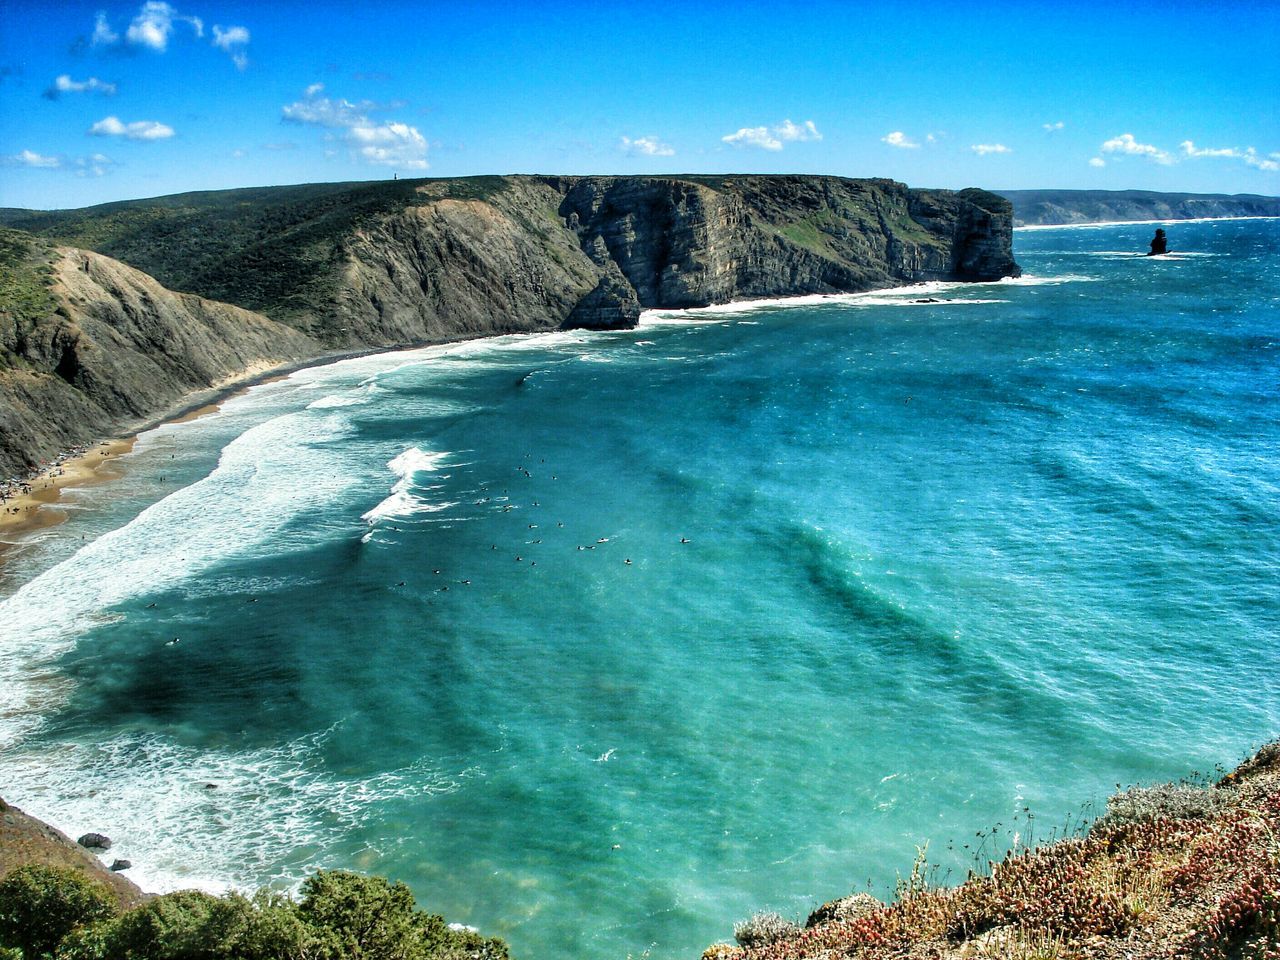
x=898 y=572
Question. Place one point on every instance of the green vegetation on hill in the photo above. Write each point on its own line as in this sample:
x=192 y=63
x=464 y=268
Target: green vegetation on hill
x=276 y=250
x=26 y=274
x=56 y=913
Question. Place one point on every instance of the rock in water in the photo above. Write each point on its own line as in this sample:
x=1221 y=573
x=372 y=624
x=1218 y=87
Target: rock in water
x=1159 y=244
x=95 y=841
x=118 y=865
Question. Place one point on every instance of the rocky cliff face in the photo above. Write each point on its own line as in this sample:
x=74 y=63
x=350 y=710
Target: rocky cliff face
x=547 y=252
x=1055 y=207
x=113 y=348
x=91 y=346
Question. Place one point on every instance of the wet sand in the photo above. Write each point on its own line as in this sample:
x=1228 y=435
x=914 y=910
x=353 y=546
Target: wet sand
x=34 y=505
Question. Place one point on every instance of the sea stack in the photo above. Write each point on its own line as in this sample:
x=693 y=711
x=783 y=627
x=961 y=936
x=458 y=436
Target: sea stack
x=1159 y=244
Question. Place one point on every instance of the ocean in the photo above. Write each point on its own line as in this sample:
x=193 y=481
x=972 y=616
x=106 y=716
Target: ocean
x=603 y=641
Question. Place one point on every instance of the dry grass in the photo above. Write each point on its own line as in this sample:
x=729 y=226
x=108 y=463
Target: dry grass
x=1177 y=871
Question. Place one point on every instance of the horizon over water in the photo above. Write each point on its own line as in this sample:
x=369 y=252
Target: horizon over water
x=604 y=641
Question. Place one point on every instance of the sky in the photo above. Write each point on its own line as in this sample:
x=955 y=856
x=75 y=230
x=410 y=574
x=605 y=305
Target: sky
x=110 y=101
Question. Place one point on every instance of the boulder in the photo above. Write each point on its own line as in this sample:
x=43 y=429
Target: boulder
x=95 y=841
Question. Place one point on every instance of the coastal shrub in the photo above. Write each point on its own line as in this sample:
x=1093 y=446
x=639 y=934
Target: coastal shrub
x=190 y=925
x=1174 y=801
x=41 y=905
x=763 y=929
x=354 y=916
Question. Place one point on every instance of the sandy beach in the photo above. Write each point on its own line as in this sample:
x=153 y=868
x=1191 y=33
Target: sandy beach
x=33 y=504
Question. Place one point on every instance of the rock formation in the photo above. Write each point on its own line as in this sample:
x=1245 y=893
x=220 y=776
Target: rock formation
x=1052 y=207
x=91 y=345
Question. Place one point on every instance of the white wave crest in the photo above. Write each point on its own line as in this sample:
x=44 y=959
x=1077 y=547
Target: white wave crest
x=264 y=478
x=403 y=502
x=267 y=816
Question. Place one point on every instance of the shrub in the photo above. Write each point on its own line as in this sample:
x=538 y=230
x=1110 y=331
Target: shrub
x=355 y=916
x=41 y=905
x=764 y=929
x=189 y=925
x=1174 y=801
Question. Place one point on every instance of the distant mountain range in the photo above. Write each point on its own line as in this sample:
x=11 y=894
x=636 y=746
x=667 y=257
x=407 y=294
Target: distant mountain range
x=1050 y=207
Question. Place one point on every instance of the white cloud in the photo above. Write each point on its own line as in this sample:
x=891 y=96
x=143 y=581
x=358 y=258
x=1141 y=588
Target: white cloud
x=798 y=132
x=982 y=149
x=95 y=165
x=645 y=147
x=773 y=138
x=1051 y=127
x=753 y=137
x=29 y=158
x=103 y=35
x=392 y=143
x=154 y=22
x=1249 y=155
x=325 y=112
x=1191 y=150
x=1097 y=162
x=138 y=130
x=64 y=84
x=900 y=140
x=232 y=41
x=1126 y=144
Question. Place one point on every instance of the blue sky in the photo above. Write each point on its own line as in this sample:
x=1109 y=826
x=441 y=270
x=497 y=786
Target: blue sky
x=110 y=101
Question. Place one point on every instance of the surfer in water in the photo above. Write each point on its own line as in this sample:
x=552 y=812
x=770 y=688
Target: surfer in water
x=1159 y=244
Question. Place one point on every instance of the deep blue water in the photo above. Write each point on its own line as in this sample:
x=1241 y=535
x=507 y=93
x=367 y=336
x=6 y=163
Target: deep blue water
x=945 y=562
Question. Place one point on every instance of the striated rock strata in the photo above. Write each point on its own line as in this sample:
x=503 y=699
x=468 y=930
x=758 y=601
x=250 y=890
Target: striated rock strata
x=90 y=346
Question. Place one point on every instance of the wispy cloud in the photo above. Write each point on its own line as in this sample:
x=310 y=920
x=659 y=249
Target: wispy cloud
x=232 y=41
x=1097 y=162
x=1128 y=145
x=900 y=140
x=94 y=165
x=390 y=143
x=138 y=130
x=645 y=147
x=154 y=23
x=1051 y=127
x=982 y=149
x=775 y=137
x=29 y=158
x=64 y=84
x=103 y=35
x=154 y=26
x=1249 y=155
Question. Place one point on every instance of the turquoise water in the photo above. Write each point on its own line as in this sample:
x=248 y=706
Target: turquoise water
x=898 y=572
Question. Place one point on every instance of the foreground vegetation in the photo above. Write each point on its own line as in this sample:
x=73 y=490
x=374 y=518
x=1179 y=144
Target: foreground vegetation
x=1187 y=870
x=54 y=912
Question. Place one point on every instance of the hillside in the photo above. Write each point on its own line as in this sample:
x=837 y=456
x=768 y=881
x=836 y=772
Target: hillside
x=94 y=340
x=1052 y=207
x=1175 y=870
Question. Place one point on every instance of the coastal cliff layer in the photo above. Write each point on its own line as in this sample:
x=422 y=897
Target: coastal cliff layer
x=1061 y=207
x=96 y=342
x=89 y=345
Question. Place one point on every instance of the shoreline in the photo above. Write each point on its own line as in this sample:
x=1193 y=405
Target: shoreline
x=34 y=503
x=1129 y=223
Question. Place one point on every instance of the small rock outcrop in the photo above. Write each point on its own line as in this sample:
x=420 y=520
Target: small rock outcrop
x=25 y=840
x=95 y=841
x=846 y=908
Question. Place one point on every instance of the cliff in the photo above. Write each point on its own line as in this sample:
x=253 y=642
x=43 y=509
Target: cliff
x=89 y=345
x=1056 y=207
